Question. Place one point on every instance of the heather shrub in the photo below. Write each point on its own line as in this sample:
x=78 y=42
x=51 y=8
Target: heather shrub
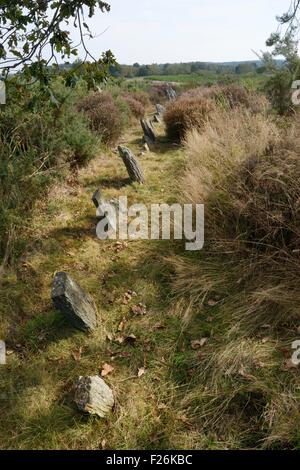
x=136 y=107
x=157 y=92
x=186 y=113
x=142 y=97
x=104 y=116
x=232 y=95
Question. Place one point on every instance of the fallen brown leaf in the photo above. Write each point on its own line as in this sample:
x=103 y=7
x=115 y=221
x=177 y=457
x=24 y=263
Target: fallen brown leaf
x=124 y=354
x=139 y=309
x=120 y=339
x=130 y=338
x=121 y=325
x=289 y=364
x=198 y=343
x=106 y=369
x=128 y=296
x=76 y=354
x=141 y=372
x=109 y=336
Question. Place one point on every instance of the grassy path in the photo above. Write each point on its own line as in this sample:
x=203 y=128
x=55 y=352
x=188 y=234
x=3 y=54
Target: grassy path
x=46 y=356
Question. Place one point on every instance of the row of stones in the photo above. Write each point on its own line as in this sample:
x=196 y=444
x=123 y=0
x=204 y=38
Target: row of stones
x=92 y=394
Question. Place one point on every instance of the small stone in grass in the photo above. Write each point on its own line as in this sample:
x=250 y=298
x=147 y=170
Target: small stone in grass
x=198 y=343
x=93 y=396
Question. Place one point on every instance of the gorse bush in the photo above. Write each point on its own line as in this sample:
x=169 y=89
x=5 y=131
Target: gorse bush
x=39 y=141
x=104 y=116
x=278 y=88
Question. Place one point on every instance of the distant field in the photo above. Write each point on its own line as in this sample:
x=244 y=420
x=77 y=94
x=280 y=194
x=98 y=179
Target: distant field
x=252 y=81
x=184 y=78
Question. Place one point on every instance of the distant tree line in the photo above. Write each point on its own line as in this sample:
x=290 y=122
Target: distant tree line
x=142 y=70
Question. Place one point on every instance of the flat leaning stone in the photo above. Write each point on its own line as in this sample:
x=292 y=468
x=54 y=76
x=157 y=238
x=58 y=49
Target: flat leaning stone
x=74 y=302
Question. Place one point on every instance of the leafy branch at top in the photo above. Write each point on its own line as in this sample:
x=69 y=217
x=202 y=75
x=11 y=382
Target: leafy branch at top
x=34 y=33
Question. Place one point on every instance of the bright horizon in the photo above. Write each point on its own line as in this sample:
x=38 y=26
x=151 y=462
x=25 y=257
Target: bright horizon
x=168 y=31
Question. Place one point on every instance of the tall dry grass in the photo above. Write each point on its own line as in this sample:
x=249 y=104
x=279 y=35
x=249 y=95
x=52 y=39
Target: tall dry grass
x=247 y=174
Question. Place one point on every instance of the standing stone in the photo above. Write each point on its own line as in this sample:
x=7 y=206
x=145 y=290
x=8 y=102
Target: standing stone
x=134 y=171
x=71 y=300
x=93 y=396
x=146 y=147
x=170 y=93
x=118 y=205
x=97 y=198
x=148 y=142
x=160 y=109
x=107 y=213
x=148 y=130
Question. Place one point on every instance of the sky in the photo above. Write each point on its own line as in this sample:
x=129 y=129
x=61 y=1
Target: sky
x=160 y=31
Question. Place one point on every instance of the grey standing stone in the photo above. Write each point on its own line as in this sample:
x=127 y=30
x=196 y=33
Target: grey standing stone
x=118 y=205
x=134 y=171
x=107 y=213
x=170 y=93
x=77 y=305
x=93 y=396
x=160 y=109
x=148 y=130
x=97 y=198
x=146 y=147
x=147 y=141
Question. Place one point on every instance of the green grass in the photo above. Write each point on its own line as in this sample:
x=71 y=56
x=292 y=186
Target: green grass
x=36 y=389
x=252 y=80
x=176 y=403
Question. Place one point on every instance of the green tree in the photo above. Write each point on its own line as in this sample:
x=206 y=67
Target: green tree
x=29 y=29
x=283 y=44
x=244 y=68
